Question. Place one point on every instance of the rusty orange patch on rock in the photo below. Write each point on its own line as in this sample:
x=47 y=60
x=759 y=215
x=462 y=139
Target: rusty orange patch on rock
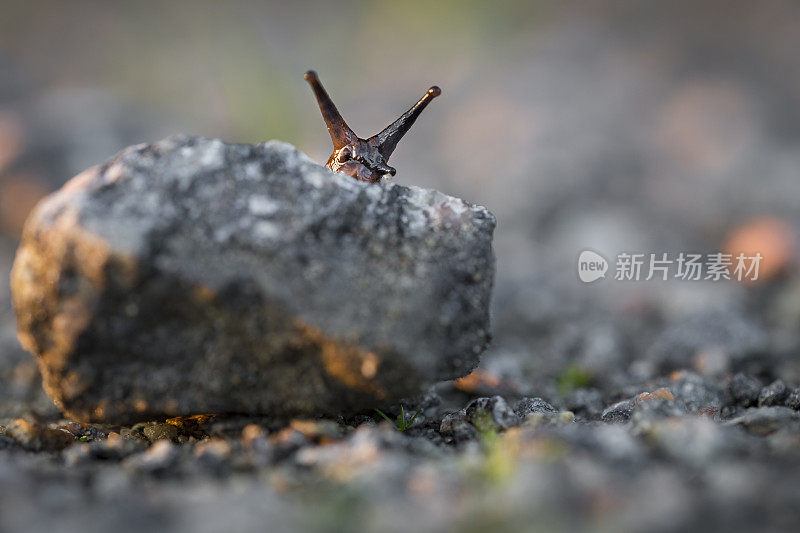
x=476 y=379
x=193 y=421
x=347 y=362
x=658 y=394
x=65 y=264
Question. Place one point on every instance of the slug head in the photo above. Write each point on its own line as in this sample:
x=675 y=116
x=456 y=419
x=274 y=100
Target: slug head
x=364 y=159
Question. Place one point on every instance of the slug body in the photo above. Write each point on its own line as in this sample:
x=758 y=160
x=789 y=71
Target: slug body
x=364 y=159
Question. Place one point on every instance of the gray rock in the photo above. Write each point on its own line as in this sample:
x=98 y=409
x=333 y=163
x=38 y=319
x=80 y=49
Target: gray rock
x=646 y=414
x=775 y=393
x=491 y=414
x=620 y=412
x=527 y=406
x=155 y=432
x=744 y=390
x=766 y=420
x=696 y=392
x=793 y=399
x=455 y=427
x=194 y=276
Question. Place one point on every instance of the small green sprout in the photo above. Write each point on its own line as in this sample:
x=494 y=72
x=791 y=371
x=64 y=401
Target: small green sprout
x=401 y=424
x=573 y=377
x=82 y=438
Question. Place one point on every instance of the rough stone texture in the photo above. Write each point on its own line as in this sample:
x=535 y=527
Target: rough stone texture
x=194 y=276
x=766 y=420
x=491 y=414
x=620 y=412
x=775 y=393
x=744 y=390
x=793 y=399
x=528 y=406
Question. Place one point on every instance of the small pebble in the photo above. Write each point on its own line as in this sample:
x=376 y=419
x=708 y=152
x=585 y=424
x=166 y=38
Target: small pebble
x=773 y=394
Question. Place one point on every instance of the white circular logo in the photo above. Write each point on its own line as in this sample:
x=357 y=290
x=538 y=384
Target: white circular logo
x=591 y=266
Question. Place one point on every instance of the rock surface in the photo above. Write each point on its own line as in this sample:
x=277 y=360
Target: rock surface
x=192 y=276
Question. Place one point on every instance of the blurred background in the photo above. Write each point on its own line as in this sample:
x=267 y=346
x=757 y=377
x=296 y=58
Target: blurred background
x=615 y=126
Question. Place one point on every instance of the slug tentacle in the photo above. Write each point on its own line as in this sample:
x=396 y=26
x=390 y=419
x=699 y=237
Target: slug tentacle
x=341 y=134
x=387 y=139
